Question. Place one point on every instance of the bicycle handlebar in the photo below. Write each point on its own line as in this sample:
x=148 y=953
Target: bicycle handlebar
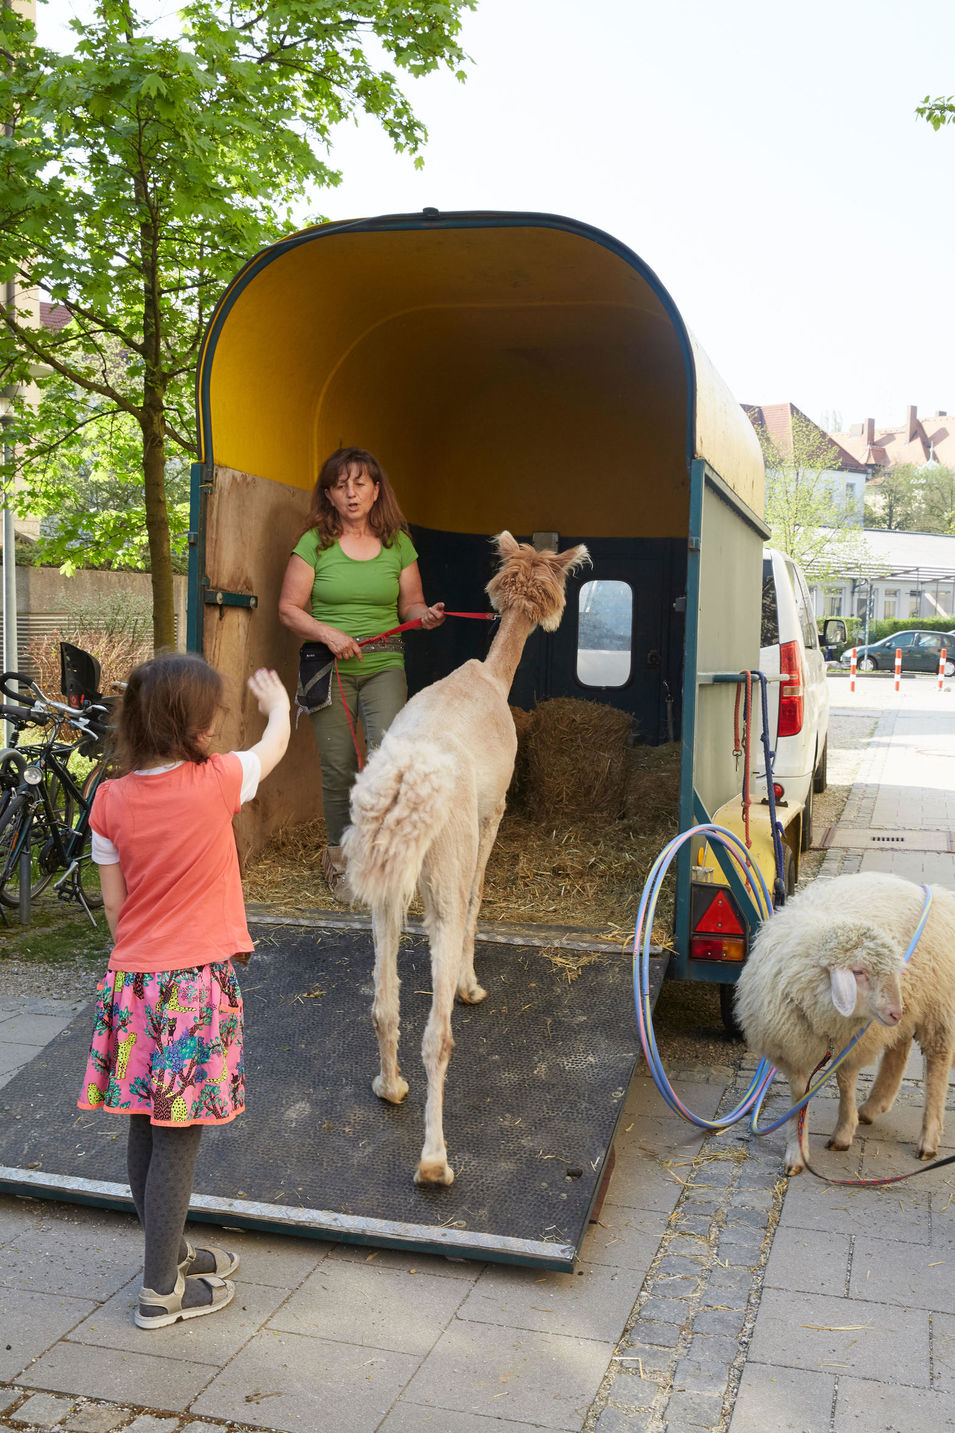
x=26 y=691
x=25 y=716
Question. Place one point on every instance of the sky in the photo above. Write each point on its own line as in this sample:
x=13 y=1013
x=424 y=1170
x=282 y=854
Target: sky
x=762 y=156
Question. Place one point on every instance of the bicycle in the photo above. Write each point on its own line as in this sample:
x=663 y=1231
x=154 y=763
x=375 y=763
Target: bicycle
x=44 y=806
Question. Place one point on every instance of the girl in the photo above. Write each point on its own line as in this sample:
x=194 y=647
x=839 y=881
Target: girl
x=167 y=1038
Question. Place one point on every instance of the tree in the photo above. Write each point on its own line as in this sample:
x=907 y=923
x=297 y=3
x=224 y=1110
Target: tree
x=913 y=499
x=137 y=174
x=937 y=111
x=807 y=518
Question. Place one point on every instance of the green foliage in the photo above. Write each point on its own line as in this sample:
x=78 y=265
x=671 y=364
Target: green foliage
x=887 y=625
x=912 y=499
x=141 y=173
x=937 y=112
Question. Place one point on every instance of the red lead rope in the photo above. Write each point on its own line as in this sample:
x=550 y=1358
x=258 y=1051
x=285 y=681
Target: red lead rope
x=405 y=627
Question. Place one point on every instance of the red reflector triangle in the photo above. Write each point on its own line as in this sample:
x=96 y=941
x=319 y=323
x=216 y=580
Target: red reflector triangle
x=720 y=918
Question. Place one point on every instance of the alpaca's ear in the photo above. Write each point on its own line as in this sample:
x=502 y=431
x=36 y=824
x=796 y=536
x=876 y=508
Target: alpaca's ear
x=574 y=557
x=506 y=545
x=842 y=984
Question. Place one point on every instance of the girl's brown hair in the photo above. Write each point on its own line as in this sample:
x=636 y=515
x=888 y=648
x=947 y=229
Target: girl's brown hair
x=167 y=705
x=386 y=519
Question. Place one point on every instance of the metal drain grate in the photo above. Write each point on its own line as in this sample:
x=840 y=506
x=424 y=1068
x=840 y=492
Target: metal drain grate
x=867 y=838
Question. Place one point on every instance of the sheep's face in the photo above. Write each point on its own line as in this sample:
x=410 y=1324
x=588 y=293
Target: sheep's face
x=869 y=994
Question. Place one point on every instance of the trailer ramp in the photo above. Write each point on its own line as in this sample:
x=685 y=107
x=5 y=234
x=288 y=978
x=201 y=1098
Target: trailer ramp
x=535 y=1086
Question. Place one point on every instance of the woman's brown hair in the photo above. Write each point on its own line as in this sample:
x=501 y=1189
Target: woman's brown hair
x=386 y=519
x=169 y=702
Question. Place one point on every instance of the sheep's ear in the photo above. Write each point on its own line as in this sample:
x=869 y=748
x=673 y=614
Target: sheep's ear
x=844 y=991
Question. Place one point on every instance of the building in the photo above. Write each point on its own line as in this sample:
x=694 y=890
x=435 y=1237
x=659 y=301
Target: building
x=918 y=441
x=902 y=575
x=794 y=435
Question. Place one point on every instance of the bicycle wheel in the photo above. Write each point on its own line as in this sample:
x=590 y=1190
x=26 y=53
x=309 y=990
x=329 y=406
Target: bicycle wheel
x=16 y=824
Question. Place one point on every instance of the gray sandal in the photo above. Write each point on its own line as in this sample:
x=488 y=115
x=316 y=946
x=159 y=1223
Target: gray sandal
x=226 y=1262
x=223 y=1291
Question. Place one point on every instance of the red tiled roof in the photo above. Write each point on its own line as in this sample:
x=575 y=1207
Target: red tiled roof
x=933 y=438
x=777 y=420
x=54 y=316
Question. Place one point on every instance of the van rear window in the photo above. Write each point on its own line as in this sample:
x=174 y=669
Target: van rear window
x=769 y=626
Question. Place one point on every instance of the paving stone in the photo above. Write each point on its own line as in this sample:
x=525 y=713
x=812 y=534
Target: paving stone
x=811 y=1262
x=13 y=1056
x=893 y=1272
x=381 y=1307
x=544 y=1378
x=693 y=1410
x=306 y=1385
x=42 y=1410
x=727 y=1322
x=632 y=1391
x=667 y=1311
x=266 y=1259
x=677 y=1266
x=729 y=1286
x=415 y=1418
x=893 y=1410
x=618 y=1420
x=811 y=1205
x=851 y=1335
x=104 y=1373
x=943 y=1352
x=91 y=1264
x=712 y=1348
x=693 y=1375
x=594 y=1303
x=647 y=1356
x=694 y=1224
x=146 y=1423
x=95 y=1419
x=28 y=1028
x=466 y=1270
x=785 y=1400
x=663 y=1335
x=33 y=1322
x=8 y=1397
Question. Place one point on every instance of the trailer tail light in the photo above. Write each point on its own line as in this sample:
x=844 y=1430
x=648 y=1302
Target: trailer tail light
x=719 y=933
x=792 y=690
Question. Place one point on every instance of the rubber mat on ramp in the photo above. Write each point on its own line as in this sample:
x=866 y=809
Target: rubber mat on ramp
x=535 y=1086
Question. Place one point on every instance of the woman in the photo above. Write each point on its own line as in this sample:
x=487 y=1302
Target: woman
x=352 y=574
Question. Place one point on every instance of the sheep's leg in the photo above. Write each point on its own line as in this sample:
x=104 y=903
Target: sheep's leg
x=937 y=1065
x=886 y=1084
x=796 y=1153
x=844 y=1132
x=468 y=988
x=386 y=927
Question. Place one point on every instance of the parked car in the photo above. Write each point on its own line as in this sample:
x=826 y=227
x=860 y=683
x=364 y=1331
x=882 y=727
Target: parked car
x=799 y=703
x=920 y=653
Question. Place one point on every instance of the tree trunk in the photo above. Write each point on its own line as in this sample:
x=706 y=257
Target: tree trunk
x=157 y=521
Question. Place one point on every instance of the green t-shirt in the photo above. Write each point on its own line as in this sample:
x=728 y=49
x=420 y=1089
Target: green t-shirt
x=360 y=598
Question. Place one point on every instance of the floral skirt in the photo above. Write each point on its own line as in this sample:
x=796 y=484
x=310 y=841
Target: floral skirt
x=168 y=1044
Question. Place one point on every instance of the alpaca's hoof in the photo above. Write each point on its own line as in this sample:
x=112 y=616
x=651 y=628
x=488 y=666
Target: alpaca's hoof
x=926 y=1152
x=867 y=1117
x=794 y=1168
x=394 y=1094
x=841 y=1144
x=434 y=1171
x=473 y=995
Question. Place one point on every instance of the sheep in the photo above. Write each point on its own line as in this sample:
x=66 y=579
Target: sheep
x=828 y=962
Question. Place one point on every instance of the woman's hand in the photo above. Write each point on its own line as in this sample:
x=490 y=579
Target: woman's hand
x=340 y=643
x=432 y=616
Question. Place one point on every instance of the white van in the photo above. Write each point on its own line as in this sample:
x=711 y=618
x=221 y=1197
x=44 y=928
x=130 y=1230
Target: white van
x=798 y=694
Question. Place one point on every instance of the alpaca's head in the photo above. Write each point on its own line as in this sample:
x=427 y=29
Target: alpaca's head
x=532 y=581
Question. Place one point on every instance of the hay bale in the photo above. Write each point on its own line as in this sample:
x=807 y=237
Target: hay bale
x=523 y=725
x=653 y=782
x=576 y=760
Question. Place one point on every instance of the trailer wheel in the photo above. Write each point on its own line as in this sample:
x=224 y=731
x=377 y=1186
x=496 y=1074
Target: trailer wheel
x=727 y=1012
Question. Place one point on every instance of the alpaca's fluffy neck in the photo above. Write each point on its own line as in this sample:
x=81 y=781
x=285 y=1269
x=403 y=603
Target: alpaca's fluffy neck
x=508 y=645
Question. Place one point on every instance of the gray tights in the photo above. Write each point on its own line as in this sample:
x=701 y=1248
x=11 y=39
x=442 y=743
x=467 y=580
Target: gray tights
x=161 y=1162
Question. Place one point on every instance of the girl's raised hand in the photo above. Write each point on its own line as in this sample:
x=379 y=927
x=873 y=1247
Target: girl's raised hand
x=267 y=688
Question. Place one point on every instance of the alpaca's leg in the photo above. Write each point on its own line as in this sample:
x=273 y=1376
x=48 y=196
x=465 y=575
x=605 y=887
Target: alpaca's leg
x=444 y=889
x=886 y=1084
x=468 y=988
x=386 y=925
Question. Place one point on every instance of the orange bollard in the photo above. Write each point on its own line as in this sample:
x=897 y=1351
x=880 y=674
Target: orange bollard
x=852 y=670
x=941 y=667
x=898 y=668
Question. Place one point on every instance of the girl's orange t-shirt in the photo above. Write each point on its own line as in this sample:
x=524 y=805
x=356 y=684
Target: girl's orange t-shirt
x=173 y=832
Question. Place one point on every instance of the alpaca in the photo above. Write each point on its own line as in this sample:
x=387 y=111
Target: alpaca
x=425 y=813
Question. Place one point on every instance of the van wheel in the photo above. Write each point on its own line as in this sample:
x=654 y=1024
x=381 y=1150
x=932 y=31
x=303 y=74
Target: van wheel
x=820 y=777
x=805 y=840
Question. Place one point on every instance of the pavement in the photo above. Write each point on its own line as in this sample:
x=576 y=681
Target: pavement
x=712 y=1293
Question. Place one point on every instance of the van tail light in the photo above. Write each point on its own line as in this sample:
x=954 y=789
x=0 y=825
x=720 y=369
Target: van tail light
x=792 y=690
x=719 y=933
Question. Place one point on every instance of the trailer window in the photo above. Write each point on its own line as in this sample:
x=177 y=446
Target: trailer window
x=604 y=633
